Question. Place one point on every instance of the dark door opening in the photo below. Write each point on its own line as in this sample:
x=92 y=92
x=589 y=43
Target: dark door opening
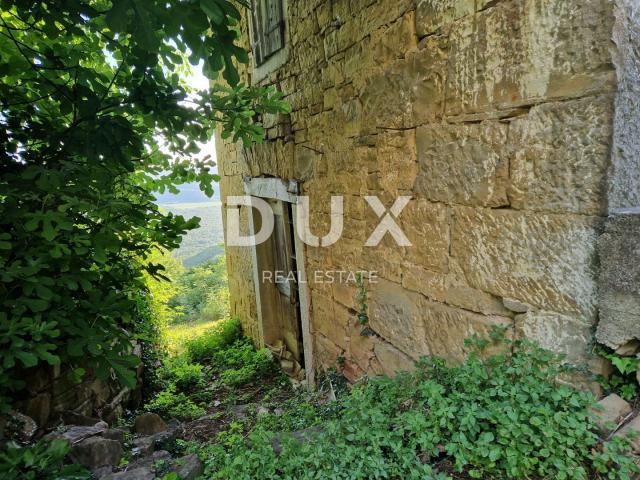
x=280 y=299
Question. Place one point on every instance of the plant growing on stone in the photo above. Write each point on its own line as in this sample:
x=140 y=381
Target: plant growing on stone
x=623 y=381
x=361 y=301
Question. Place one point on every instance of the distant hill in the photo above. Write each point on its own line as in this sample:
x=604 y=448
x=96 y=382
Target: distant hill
x=204 y=256
x=189 y=193
x=205 y=243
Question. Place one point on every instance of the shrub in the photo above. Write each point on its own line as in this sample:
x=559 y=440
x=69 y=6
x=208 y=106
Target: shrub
x=179 y=371
x=260 y=363
x=225 y=333
x=496 y=416
x=169 y=404
x=40 y=461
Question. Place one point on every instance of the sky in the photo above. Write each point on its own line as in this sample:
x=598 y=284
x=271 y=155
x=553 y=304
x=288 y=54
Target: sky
x=198 y=81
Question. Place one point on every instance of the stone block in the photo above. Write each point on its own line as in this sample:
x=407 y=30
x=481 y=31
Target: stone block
x=632 y=431
x=522 y=51
x=188 y=467
x=433 y=16
x=420 y=327
x=39 y=408
x=388 y=44
x=560 y=156
x=426 y=226
x=141 y=473
x=558 y=333
x=396 y=161
x=329 y=319
x=360 y=347
x=96 y=452
x=475 y=300
x=464 y=164
x=149 y=423
x=326 y=352
x=611 y=410
x=392 y=360
x=428 y=283
x=409 y=91
x=619 y=280
x=547 y=261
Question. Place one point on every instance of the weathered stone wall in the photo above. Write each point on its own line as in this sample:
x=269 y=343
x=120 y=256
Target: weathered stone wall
x=499 y=119
x=51 y=396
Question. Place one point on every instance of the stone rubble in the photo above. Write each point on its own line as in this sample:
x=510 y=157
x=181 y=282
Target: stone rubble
x=612 y=410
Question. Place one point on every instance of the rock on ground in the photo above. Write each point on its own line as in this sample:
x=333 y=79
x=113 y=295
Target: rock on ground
x=189 y=467
x=96 y=452
x=142 y=473
x=148 y=424
x=613 y=410
x=632 y=430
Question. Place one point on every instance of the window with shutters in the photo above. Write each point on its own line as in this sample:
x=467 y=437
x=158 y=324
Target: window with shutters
x=268 y=29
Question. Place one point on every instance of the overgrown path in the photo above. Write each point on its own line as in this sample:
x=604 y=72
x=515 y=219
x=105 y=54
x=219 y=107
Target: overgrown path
x=496 y=416
x=230 y=413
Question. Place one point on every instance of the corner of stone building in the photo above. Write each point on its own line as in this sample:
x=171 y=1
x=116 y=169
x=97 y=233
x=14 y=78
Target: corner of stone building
x=619 y=244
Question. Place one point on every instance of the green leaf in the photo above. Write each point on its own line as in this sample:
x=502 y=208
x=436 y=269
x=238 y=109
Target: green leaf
x=27 y=359
x=117 y=18
x=213 y=11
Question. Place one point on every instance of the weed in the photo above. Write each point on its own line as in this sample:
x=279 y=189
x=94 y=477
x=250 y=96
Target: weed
x=224 y=334
x=623 y=381
x=171 y=404
x=496 y=416
x=40 y=461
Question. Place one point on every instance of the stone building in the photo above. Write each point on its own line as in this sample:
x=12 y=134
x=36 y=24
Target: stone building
x=513 y=126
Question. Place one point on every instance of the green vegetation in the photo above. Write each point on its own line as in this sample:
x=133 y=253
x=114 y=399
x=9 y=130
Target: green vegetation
x=177 y=335
x=188 y=387
x=496 y=416
x=623 y=381
x=94 y=119
x=40 y=461
x=201 y=293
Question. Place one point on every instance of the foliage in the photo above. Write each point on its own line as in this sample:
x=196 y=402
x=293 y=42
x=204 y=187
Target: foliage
x=177 y=335
x=202 y=292
x=623 y=381
x=95 y=118
x=254 y=364
x=161 y=292
x=230 y=359
x=147 y=328
x=40 y=461
x=224 y=334
x=172 y=404
x=500 y=415
x=186 y=376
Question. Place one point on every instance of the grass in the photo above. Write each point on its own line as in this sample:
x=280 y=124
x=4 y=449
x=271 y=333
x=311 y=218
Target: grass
x=177 y=335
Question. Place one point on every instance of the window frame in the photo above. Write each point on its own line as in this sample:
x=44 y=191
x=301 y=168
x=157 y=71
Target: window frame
x=276 y=59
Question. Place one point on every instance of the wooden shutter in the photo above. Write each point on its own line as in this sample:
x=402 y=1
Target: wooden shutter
x=268 y=28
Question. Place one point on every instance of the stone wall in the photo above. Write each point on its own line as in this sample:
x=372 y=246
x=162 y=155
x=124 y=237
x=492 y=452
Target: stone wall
x=511 y=125
x=52 y=397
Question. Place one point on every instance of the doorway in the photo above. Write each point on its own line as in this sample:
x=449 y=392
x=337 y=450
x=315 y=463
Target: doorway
x=279 y=279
